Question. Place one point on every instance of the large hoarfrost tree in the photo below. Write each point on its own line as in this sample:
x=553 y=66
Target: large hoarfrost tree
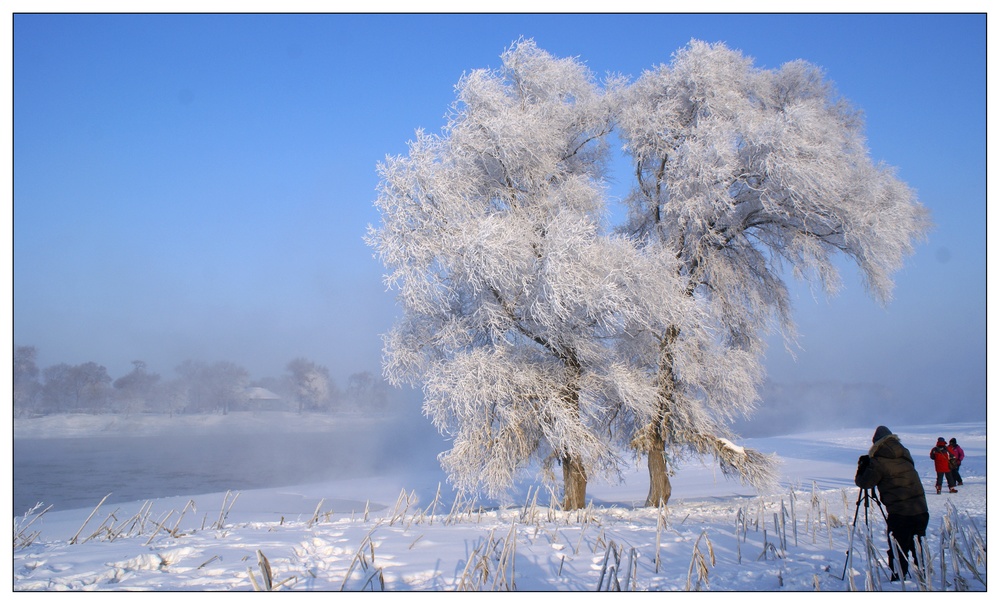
x=744 y=175
x=537 y=337
x=511 y=298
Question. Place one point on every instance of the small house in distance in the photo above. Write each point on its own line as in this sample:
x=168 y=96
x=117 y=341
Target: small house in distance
x=259 y=399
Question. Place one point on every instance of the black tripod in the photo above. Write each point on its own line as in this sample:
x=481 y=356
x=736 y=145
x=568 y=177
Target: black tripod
x=866 y=496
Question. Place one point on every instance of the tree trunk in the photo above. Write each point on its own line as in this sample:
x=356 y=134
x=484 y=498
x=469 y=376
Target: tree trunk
x=574 y=483
x=659 y=479
x=574 y=473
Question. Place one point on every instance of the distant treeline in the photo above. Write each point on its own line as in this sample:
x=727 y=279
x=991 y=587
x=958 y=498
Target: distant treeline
x=197 y=387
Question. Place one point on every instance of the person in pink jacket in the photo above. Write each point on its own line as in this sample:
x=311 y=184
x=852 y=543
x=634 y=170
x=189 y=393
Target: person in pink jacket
x=942 y=466
x=958 y=455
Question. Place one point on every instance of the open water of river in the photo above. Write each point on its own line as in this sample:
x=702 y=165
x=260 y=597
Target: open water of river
x=75 y=472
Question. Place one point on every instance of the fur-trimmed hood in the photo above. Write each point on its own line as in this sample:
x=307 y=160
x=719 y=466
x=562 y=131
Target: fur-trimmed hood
x=889 y=447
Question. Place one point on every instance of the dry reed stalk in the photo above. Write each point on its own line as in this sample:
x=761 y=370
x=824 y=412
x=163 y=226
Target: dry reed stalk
x=454 y=507
x=966 y=552
x=631 y=569
x=611 y=566
x=173 y=532
x=795 y=524
x=524 y=509
x=159 y=526
x=606 y=571
x=740 y=521
x=463 y=579
x=659 y=533
x=136 y=519
x=87 y=520
x=473 y=564
x=434 y=503
x=224 y=512
x=829 y=524
x=600 y=540
x=780 y=529
x=529 y=514
x=315 y=515
x=21 y=538
x=373 y=574
x=103 y=526
x=395 y=509
x=402 y=501
x=265 y=571
x=768 y=548
x=944 y=567
x=698 y=562
x=359 y=557
x=286 y=580
x=505 y=561
x=576 y=549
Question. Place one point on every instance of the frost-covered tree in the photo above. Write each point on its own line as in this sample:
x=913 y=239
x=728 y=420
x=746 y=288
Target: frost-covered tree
x=314 y=389
x=512 y=299
x=25 y=378
x=135 y=390
x=367 y=392
x=744 y=175
x=208 y=387
x=83 y=387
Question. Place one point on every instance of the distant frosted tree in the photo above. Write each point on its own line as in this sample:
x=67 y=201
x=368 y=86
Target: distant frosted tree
x=313 y=386
x=135 y=390
x=58 y=393
x=367 y=392
x=25 y=378
x=226 y=383
x=511 y=297
x=218 y=386
x=744 y=175
x=83 y=387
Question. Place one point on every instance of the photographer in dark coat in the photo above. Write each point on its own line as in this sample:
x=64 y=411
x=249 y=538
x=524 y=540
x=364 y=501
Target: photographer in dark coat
x=889 y=467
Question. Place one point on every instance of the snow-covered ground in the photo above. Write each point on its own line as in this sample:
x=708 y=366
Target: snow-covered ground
x=396 y=526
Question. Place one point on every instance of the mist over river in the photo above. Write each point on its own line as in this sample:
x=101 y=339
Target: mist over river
x=77 y=471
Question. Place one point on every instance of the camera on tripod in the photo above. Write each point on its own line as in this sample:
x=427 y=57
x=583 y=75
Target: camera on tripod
x=866 y=496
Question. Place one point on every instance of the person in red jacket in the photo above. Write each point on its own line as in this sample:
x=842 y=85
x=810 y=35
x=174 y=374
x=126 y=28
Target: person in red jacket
x=942 y=466
x=958 y=455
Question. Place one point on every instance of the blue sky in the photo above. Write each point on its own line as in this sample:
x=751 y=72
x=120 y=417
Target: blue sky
x=198 y=186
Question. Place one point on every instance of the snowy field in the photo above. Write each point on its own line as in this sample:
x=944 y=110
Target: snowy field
x=393 y=525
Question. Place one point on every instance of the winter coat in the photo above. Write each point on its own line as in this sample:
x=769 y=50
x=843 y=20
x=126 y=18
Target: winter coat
x=957 y=452
x=940 y=456
x=890 y=468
